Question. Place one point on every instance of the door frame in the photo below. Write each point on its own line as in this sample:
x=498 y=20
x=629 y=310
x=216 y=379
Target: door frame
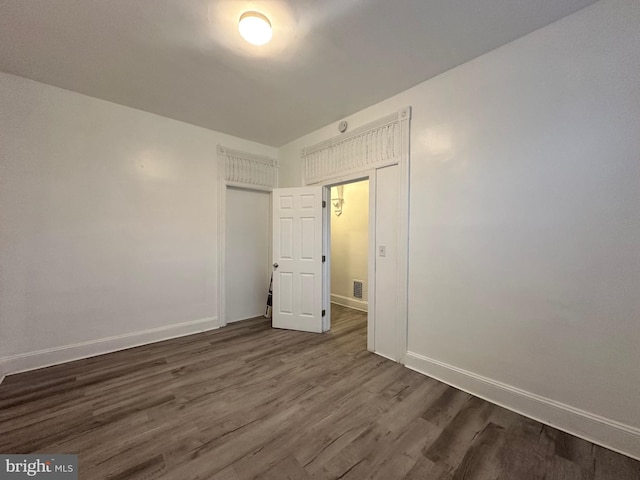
x=248 y=171
x=371 y=248
x=345 y=163
x=401 y=325
x=222 y=239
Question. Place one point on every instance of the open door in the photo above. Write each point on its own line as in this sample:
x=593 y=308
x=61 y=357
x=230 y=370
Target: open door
x=297 y=259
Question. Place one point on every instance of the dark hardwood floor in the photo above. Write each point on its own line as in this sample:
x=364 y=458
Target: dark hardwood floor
x=249 y=401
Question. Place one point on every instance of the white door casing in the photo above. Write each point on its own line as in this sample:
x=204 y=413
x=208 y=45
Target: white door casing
x=241 y=170
x=370 y=148
x=297 y=257
x=386 y=262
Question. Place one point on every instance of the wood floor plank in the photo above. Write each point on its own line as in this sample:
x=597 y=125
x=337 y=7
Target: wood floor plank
x=426 y=469
x=482 y=461
x=404 y=452
x=456 y=438
x=447 y=406
x=287 y=469
x=609 y=464
x=413 y=404
x=249 y=401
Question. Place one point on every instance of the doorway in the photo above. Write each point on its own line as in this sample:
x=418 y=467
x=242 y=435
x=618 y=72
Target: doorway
x=302 y=259
x=349 y=253
x=384 y=271
x=247 y=252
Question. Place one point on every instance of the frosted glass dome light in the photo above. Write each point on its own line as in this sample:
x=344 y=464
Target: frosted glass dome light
x=255 y=28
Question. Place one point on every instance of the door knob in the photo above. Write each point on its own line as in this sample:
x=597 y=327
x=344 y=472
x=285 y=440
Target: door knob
x=275 y=265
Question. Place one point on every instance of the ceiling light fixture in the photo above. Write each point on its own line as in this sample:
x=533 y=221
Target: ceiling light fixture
x=255 y=28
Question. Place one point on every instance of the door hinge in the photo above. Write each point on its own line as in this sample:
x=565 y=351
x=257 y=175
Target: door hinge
x=324 y=313
x=324 y=204
x=324 y=258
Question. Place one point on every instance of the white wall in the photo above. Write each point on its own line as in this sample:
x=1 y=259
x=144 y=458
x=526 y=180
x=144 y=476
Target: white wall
x=108 y=224
x=248 y=250
x=387 y=225
x=350 y=245
x=524 y=223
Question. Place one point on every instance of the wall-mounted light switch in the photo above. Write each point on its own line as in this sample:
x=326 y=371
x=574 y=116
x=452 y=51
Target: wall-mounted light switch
x=382 y=251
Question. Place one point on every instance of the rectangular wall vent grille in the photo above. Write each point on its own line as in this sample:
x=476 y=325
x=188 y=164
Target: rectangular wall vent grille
x=357 y=289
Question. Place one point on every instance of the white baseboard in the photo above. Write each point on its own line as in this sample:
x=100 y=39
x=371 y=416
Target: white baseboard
x=608 y=433
x=67 y=353
x=2 y=371
x=350 y=302
x=261 y=314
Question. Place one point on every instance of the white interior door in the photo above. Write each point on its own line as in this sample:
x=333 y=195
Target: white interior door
x=297 y=257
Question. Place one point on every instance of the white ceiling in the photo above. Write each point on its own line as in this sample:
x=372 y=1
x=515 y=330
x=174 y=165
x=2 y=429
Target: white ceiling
x=184 y=59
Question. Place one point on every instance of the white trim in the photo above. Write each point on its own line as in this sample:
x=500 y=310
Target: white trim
x=344 y=179
x=326 y=265
x=259 y=315
x=371 y=265
x=248 y=169
x=404 y=117
x=222 y=226
x=375 y=145
x=244 y=186
x=239 y=170
x=386 y=356
x=68 y=353
x=594 y=428
x=2 y=371
x=354 y=303
x=364 y=129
